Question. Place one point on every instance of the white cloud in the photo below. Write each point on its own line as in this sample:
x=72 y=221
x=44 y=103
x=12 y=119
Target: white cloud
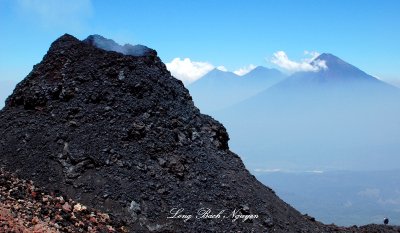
x=56 y=13
x=281 y=59
x=189 y=71
x=320 y=64
x=244 y=70
x=377 y=77
x=315 y=171
x=268 y=170
x=222 y=68
x=312 y=55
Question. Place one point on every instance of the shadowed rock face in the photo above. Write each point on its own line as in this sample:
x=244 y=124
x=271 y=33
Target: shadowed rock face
x=120 y=134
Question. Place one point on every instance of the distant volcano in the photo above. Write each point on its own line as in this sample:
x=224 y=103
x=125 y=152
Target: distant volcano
x=331 y=118
x=334 y=73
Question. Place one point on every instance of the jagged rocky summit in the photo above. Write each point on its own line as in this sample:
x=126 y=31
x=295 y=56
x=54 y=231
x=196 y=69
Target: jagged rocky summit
x=118 y=133
x=110 y=45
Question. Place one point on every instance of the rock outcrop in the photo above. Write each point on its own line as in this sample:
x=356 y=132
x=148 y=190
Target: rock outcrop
x=25 y=209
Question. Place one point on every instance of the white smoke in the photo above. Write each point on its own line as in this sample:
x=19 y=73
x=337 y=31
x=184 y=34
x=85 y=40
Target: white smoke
x=110 y=45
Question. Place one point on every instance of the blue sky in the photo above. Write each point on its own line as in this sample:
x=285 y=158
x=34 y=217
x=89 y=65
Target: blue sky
x=211 y=33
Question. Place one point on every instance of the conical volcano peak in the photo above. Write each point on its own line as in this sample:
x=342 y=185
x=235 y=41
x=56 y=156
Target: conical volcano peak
x=331 y=61
x=65 y=38
x=333 y=72
x=218 y=74
x=110 y=45
x=260 y=69
x=327 y=57
x=70 y=63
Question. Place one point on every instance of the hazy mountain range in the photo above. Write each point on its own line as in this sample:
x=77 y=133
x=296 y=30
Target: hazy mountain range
x=221 y=89
x=337 y=117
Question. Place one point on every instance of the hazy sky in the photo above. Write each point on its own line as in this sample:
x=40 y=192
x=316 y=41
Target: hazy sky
x=196 y=36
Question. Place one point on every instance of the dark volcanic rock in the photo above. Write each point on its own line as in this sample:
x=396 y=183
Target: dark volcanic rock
x=118 y=133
